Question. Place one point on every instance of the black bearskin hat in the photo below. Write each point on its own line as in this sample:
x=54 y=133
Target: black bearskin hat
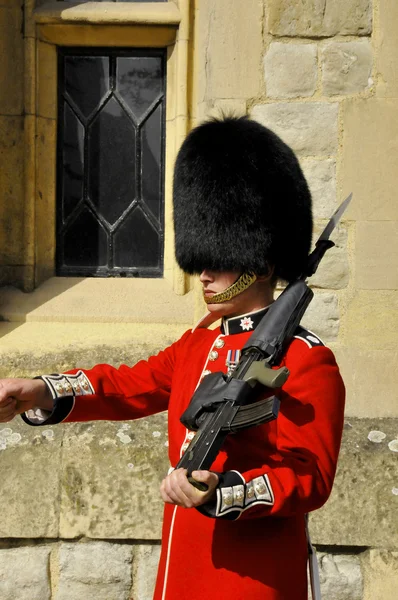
x=240 y=201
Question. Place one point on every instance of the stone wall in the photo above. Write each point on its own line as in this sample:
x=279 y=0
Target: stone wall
x=323 y=74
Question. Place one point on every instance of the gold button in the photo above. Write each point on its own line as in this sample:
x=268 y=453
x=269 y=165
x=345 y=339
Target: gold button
x=207 y=372
x=213 y=355
x=219 y=343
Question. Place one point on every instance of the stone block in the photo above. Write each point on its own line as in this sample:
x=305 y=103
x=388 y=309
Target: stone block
x=387 y=49
x=145 y=564
x=321 y=178
x=45 y=198
x=11 y=191
x=322 y=316
x=346 y=67
x=310 y=128
x=12 y=61
x=362 y=508
x=94 y=571
x=371 y=315
x=376 y=256
x=322 y=18
x=228 y=47
x=111 y=475
x=30 y=458
x=370 y=380
x=340 y=576
x=333 y=272
x=46 y=80
x=290 y=70
x=369 y=161
x=381 y=575
x=369 y=329
x=24 y=573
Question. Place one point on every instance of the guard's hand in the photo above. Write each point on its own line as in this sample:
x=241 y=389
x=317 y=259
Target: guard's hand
x=176 y=489
x=19 y=395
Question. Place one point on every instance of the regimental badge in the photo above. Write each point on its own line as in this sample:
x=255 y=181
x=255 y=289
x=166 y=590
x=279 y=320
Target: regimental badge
x=246 y=323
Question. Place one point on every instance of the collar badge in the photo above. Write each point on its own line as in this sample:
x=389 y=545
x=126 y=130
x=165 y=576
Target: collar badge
x=246 y=323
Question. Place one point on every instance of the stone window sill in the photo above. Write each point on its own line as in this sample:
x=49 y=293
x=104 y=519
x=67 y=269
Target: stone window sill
x=137 y=13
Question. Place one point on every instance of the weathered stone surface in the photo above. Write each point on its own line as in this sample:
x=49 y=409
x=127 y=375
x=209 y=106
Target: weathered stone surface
x=145 y=566
x=290 y=70
x=370 y=380
x=376 y=256
x=381 y=575
x=333 y=272
x=24 y=573
x=363 y=507
x=111 y=473
x=94 y=571
x=369 y=329
x=96 y=300
x=12 y=59
x=387 y=55
x=322 y=316
x=228 y=48
x=320 y=18
x=11 y=190
x=369 y=162
x=45 y=194
x=29 y=464
x=371 y=315
x=33 y=348
x=309 y=128
x=321 y=178
x=47 y=80
x=340 y=576
x=346 y=67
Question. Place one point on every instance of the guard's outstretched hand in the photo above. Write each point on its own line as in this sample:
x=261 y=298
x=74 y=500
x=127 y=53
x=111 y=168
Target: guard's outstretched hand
x=19 y=395
x=176 y=489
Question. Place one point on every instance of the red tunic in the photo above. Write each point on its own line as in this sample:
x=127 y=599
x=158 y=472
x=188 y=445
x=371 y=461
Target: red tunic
x=255 y=545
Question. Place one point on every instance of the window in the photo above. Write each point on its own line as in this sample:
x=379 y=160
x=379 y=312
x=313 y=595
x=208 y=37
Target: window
x=110 y=190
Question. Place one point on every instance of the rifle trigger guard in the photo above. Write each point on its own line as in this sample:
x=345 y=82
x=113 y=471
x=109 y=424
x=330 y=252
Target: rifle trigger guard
x=260 y=372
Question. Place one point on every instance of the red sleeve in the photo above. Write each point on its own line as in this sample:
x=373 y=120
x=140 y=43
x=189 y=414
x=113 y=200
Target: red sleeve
x=109 y=393
x=297 y=476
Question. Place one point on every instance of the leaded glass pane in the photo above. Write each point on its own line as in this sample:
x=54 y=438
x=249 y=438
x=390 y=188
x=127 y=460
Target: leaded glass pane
x=111 y=155
x=144 y=245
x=139 y=83
x=73 y=161
x=94 y=72
x=111 y=161
x=151 y=175
x=85 y=242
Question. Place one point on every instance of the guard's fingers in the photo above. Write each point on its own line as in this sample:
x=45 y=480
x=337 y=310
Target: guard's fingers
x=7 y=390
x=175 y=488
x=8 y=413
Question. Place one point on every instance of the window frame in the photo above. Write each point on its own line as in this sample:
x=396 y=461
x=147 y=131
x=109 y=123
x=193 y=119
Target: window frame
x=141 y=25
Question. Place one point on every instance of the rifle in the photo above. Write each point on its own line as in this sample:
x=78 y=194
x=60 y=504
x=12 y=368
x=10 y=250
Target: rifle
x=224 y=404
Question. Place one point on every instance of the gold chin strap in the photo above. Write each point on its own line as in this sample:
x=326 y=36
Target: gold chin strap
x=240 y=285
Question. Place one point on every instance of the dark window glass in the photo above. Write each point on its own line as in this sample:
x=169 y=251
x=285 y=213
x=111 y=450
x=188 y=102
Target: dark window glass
x=110 y=162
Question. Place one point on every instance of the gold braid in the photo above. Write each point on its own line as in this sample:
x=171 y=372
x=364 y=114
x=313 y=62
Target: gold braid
x=240 y=285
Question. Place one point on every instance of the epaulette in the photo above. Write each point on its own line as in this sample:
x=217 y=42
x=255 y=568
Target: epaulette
x=310 y=338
